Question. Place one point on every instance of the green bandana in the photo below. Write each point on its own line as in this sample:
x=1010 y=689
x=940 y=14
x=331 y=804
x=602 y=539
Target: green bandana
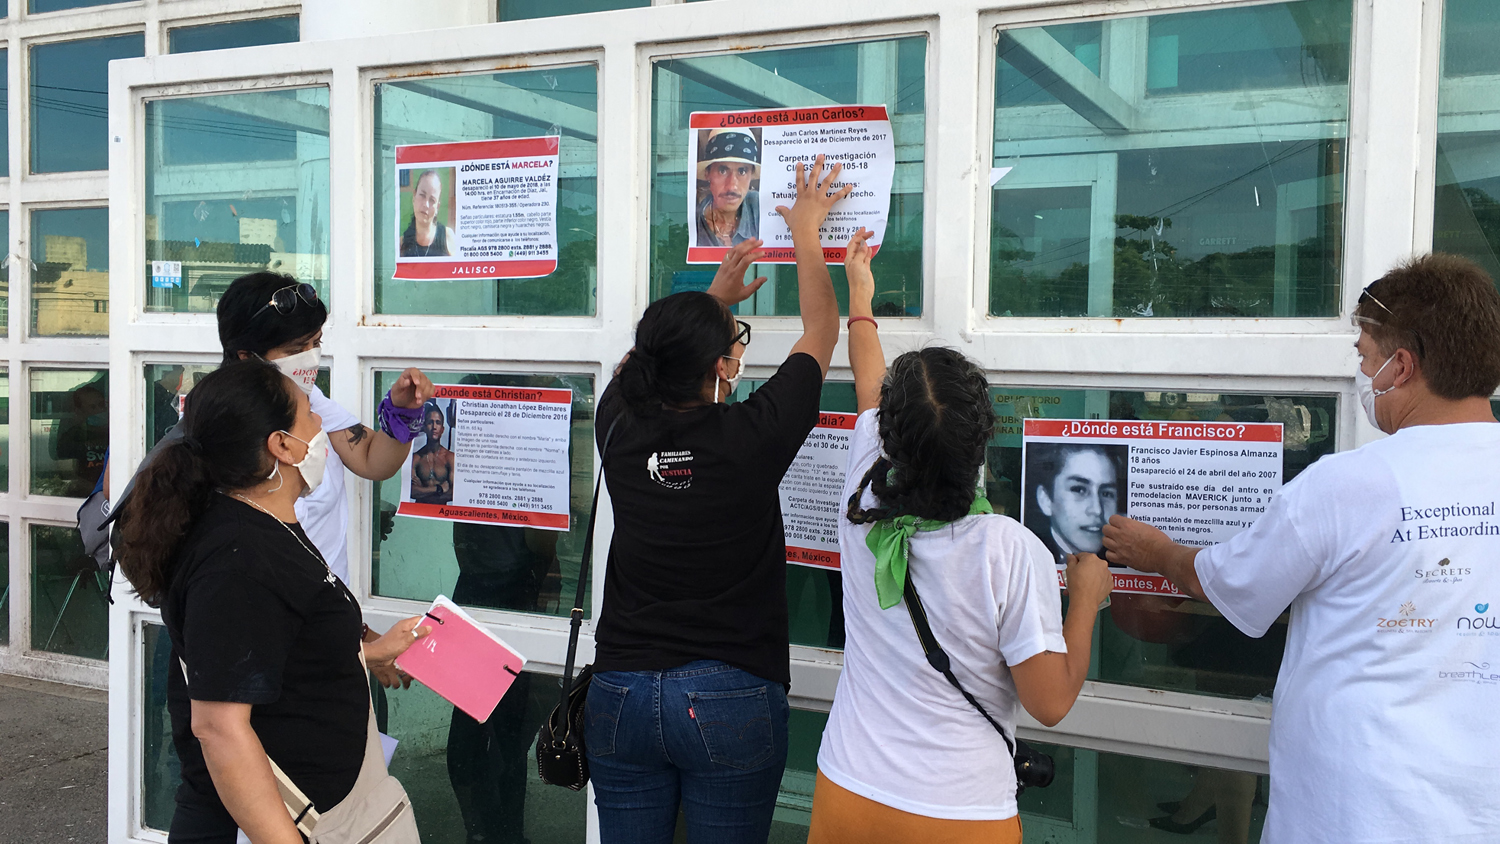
x=890 y=541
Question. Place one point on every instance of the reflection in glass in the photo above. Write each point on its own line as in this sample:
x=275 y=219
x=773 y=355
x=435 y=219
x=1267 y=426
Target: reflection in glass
x=1209 y=185
x=5 y=280
x=223 y=36
x=70 y=282
x=514 y=10
x=1157 y=641
x=521 y=104
x=39 y=6
x=477 y=782
x=69 y=607
x=70 y=101
x=4 y=584
x=1111 y=799
x=69 y=430
x=892 y=73
x=161 y=772
x=490 y=566
x=5 y=99
x=235 y=183
x=1466 y=207
x=167 y=387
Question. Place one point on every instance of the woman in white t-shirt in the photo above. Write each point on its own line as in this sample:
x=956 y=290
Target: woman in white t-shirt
x=905 y=757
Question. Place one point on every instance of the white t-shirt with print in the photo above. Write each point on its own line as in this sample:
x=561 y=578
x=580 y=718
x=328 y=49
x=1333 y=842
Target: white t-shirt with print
x=324 y=515
x=1383 y=726
x=899 y=734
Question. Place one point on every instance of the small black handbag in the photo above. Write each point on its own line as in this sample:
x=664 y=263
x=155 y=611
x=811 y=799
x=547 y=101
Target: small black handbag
x=561 y=758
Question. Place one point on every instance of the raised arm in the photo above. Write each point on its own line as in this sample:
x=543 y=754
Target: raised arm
x=866 y=357
x=820 y=310
x=372 y=454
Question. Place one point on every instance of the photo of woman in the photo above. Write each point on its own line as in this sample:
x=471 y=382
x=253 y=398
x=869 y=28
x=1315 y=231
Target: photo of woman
x=427 y=212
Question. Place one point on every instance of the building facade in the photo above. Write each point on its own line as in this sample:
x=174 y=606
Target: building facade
x=1132 y=209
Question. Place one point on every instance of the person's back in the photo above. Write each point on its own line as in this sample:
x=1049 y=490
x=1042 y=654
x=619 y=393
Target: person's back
x=1380 y=728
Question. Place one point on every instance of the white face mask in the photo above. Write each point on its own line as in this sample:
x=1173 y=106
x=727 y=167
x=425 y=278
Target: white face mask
x=313 y=463
x=1365 y=386
x=302 y=367
x=734 y=382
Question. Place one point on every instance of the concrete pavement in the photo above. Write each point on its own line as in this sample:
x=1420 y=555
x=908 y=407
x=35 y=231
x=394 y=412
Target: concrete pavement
x=54 y=762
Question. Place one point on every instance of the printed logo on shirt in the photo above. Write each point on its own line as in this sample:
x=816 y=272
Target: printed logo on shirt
x=1472 y=672
x=671 y=469
x=1479 y=624
x=1407 y=621
x=1444 y=572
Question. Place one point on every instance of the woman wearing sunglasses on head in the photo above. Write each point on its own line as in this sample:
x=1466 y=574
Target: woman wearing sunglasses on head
x=688 y=703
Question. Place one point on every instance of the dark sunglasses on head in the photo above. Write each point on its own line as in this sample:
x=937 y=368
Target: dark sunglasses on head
x=285 y=299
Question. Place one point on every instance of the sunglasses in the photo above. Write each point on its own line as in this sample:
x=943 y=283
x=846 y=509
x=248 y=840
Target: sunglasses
x=285 y=299
x=1361 y=321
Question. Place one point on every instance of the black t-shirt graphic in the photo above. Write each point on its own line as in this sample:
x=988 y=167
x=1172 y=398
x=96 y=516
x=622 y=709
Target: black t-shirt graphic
x=697 y=565
x=258 y=619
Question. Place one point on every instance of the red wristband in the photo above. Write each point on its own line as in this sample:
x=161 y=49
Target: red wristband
x=870 y=320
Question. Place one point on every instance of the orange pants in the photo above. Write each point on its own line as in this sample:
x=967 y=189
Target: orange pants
x=839 y=816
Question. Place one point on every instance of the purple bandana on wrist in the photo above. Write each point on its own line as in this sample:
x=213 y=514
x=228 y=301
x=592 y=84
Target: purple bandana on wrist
x=402 y=424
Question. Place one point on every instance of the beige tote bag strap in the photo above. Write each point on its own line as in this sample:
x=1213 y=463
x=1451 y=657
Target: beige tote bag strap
x=297 y=805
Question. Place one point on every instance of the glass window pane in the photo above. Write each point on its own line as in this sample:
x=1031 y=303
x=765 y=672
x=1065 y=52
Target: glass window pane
x=5 y=279
x=514 y=10
x=223 y=36
x=522 y=104
x=70 y=285
x=5 y=121
x=69 y=607
x=5 y=432
x=160 y=770
x=167 y=386
x=69 y=430
x=892 y=73
x=1155 y=641
x=39 y=6
x=1209 y=186
x=1466 y=208
x=491 y=566
x=70 y=101
x=472 y=781
x=235 y=183
x=4 y=584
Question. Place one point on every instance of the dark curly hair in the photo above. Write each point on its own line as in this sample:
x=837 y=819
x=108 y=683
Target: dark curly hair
x=935 y=419
x=677 y=343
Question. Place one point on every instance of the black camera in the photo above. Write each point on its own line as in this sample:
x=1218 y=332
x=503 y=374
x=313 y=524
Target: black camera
x=1034 y=769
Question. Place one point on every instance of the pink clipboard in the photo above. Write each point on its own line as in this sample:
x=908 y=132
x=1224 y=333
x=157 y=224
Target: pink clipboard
x=467 y=665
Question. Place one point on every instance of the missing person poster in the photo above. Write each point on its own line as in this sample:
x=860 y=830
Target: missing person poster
x=477 y=209
x=811 y=491
x=742 y=164
x=1199 y=482
x=491 y=456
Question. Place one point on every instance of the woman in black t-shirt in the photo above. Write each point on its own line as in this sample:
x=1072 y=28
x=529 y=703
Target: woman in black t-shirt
x=265 y=638
x=688 y=703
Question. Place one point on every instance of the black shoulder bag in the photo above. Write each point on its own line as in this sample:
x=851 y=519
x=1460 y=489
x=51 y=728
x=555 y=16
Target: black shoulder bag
x=1033 y=768
x=561 y=758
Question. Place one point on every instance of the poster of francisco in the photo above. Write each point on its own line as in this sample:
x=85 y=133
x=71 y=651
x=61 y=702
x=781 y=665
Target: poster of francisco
x=742 y=164
x=1199 y=482
x=477 y=209
x=491 y=455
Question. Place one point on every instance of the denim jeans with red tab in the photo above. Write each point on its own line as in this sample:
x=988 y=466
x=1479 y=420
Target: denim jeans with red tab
x=705 y=736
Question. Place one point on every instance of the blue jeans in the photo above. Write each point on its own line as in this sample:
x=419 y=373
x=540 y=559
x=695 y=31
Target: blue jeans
x=706 y=735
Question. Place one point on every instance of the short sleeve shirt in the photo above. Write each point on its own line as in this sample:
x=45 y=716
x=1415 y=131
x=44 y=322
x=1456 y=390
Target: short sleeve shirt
x=1386 y=556
x=254 y=617
x=898 y=733
x=697 y=565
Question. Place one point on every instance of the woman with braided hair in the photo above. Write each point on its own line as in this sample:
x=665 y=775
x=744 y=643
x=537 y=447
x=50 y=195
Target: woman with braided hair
x=906 y=756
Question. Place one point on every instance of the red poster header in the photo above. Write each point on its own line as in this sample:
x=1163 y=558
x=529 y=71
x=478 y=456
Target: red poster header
x=1134 y=429
x=841 y=421
x=477 y=150
x=527 y=394
x=785 y=116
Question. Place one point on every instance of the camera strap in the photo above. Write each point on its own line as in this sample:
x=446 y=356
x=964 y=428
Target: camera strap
x=938 y=658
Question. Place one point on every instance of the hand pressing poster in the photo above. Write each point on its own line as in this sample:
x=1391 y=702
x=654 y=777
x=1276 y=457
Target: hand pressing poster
x=1199 y=482
x=491 y=455
x=477 y=209
x=811 y=491
x=742 y=164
